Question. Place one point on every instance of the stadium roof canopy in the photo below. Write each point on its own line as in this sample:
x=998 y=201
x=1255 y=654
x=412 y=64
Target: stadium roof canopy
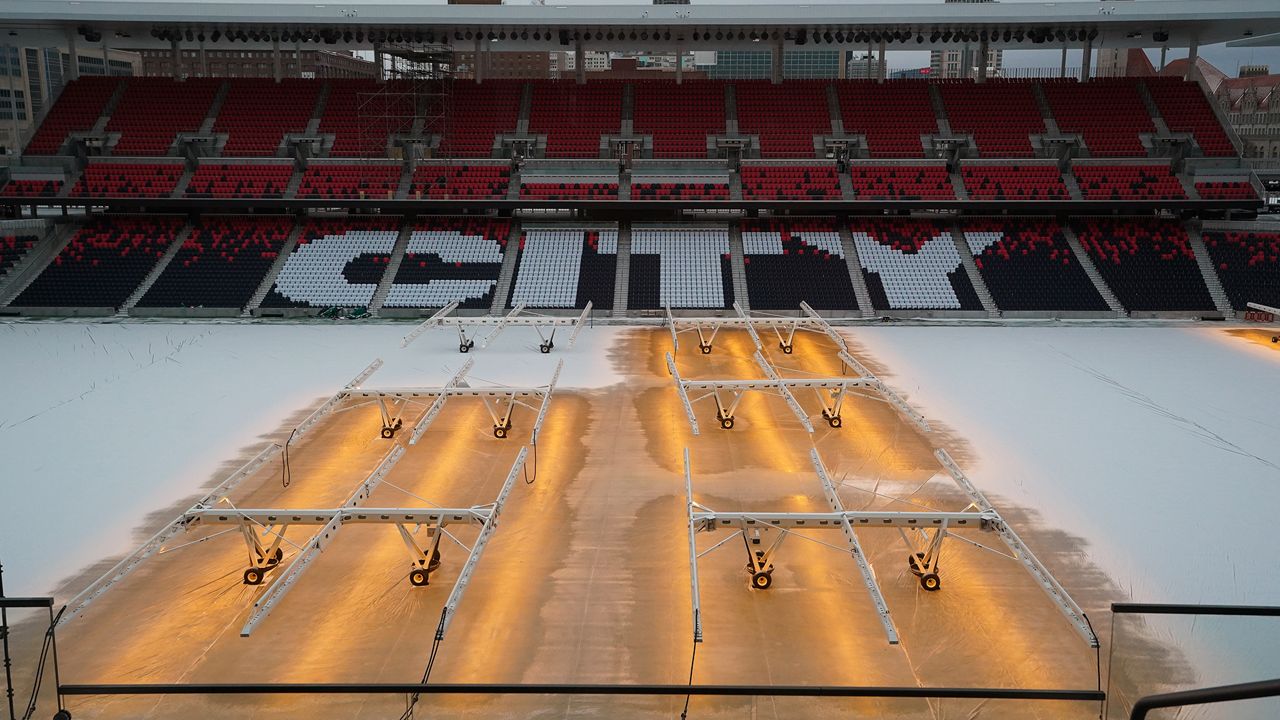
x=252 y=25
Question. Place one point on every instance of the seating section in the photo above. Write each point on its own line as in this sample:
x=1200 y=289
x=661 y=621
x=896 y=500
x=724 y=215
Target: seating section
x=1000 y=115
x=784 y=118
x=12 y=248
x=221 y=263
x=573 y=116
x=1233 y=190
x=373 y=182
x=77 y=110
x=1109 y=113
x=479 y=113
x=128 y=180
x=257 y=112
x=912 y=264
x=220 y=180
x=460 y=181
x=1248 y=264
x=338 y=263
x=681 y=188
x=1128 y=182
x=450 y=259
x=1148 y=263
x=892 y=115
x=1014 y=182
x=362 y=114
x=793 y=261
x=902 y=182
x=678 y=117
x=103 y=263
x=152 y=111
x=680 y=268
x=31 y=188
x=1184 y=108
x=1028 y=265
x=566 y=268
x=790 y=182
x=570 y=190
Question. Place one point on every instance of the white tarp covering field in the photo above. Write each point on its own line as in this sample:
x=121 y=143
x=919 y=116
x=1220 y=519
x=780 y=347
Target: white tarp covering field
x=1157 y=446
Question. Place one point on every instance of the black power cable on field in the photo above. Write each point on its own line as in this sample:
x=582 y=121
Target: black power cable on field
x=286 y=472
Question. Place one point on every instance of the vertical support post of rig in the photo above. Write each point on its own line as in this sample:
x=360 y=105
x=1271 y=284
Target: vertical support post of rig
x=778 y=55
x=579 y=62
x=71 y=53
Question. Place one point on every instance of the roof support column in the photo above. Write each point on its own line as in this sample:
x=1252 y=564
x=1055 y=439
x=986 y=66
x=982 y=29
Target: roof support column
x=869 y=55
x=884 y=64
x=71 y=52
x=477 y=63
x=1063 y=71
x=982 y=61
x=275 y=59
x=1086 y=61
x=778 y=55
x=579 y=63
x=106 y=57
x=297 y=57
x=679 y=62
x=1164 y=54
x=175 y=54
x=1193 y=54
x=13 y=110
x=204 y=61
x=379 y=62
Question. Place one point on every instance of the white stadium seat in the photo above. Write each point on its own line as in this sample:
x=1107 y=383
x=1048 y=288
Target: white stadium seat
x=313 y=273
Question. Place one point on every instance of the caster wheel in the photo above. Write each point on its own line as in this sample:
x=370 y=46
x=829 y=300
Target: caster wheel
x=500 y=432
x=706 y=349
x=544 y=349
x=434 y=562
x=762 y=580
x=418 y=578
x=913 y=562
x=1276 y=339
x=62 y=715
x=253 y=576
x=726 y=423
x=786 y=349
x=930 y=582
x=835 y=421
x=388 y=433
x=463 y=347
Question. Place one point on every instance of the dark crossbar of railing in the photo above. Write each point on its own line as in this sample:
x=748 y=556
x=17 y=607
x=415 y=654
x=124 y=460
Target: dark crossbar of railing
x=9 y=603
x=1204 y=696
x=1185 y=609
x=923 y=693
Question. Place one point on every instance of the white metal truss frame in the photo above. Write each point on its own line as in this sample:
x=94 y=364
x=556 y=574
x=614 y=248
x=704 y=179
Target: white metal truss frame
x=499 y=401
x=156 y=543
x=544 y=325
x=931 y=528
x=257 y=524
x=785 y=328
x=830 y=393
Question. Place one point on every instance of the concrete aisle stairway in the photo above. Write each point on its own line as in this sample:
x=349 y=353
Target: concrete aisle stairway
x=738 y=267
x=206 y=127
x=393 y=267
x=1211 y=279
x=1091 y=270
x=270 y=278
x=833 y=110
x=622 y=278
x=100 y=126
x=35 y=261
x=975 y=277
x=181 y=188
x=322 y=99
x=169 y=254
x=507 y=275
x=859 y=280
x=526 y=108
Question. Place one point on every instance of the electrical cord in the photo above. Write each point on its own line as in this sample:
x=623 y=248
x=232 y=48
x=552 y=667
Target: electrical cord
x=38 y=678
x=684 y=714
x=528 y=480
x=426 y=674
x=286 y=472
